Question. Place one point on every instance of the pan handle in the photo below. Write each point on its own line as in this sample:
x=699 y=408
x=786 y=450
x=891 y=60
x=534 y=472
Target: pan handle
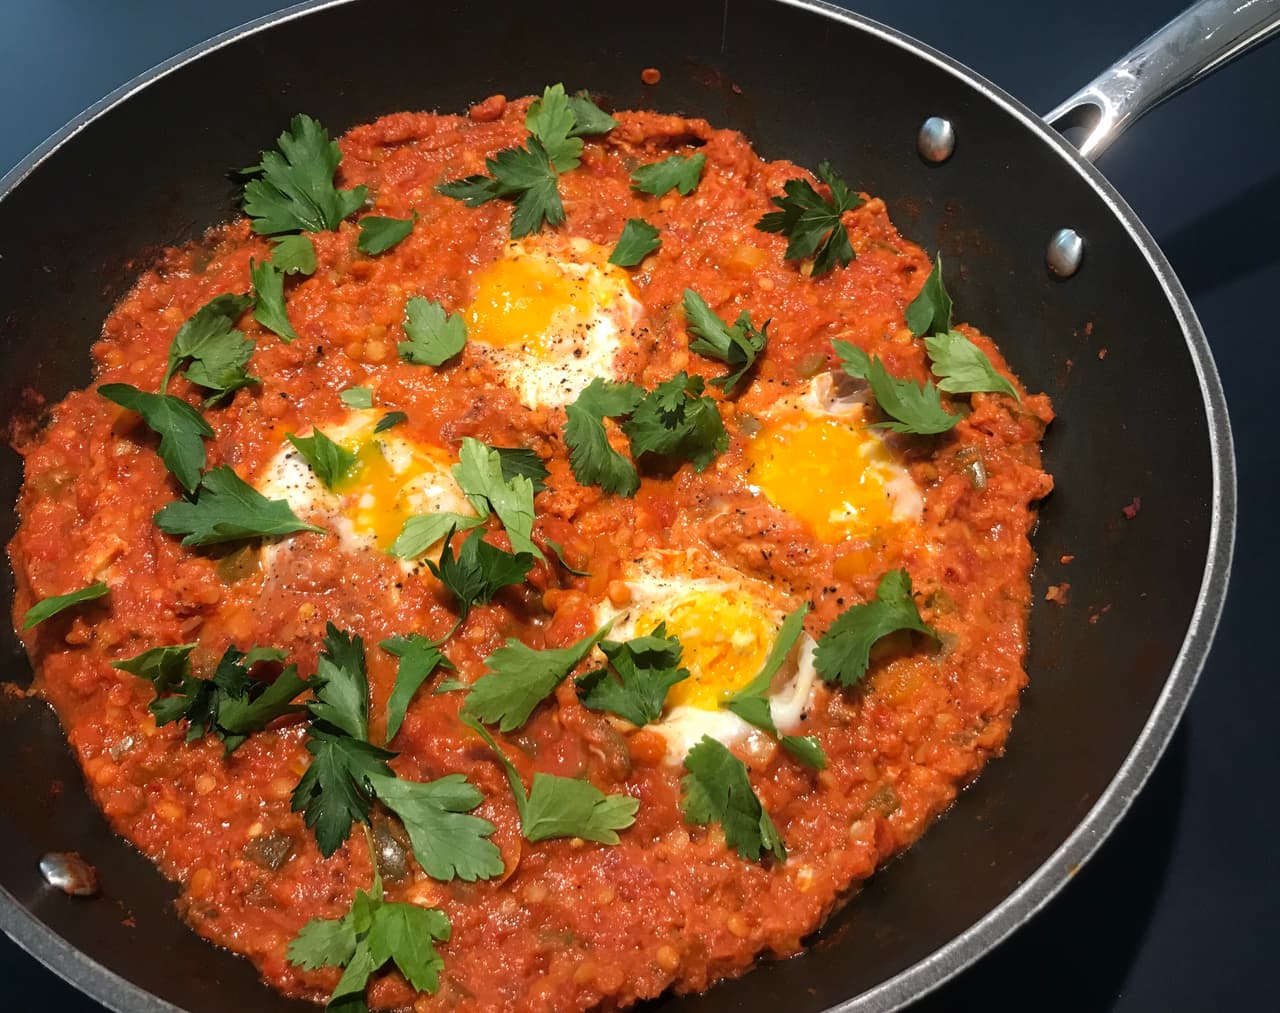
x=1194 y=44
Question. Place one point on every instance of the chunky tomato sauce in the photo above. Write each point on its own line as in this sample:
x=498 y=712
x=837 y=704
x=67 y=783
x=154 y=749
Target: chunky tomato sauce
x=569 y=924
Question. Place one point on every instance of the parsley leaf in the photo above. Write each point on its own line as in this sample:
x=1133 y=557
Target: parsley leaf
x=679 y=172
x=334 y=792
x=422 y=531
x=737 y=346
x=844 y=651
x=558 y=550
x=751 y=703
x=516 y=461
x=229 y=705
x=551 y=121
x=479 y=571
x=447 y=842
x=217 y=353
x=165 y=667
x=181 y=428
x=434 y=337
x=483 y=480
x=377 y=234
x=293 y=188
x=717 y=790
x=645 y=669
x=812 y=223
x=373 y=933
x=593 y=460
x=419 y=660
x=330 y=461
x=357 y=397
x=525 y=175
x=563 y=806
x=677 y=420
x=964 y=367
x=638 y=240
x=914 y=408
x=390 y=421
x=930 y=311
x=294 y=254
x=46 y=608
x=521 y=677
x=341 y=685
x=228 y=509
x=268 y=293
x=559 y=121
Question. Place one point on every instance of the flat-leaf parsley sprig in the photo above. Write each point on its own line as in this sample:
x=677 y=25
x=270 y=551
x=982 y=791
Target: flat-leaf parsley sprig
x=528 y=176
x=812 y=223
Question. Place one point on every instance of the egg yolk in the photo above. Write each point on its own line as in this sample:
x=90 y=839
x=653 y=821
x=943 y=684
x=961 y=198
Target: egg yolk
x=726 y=637
x=381 y=490
x=528 y=299
x=836 y=478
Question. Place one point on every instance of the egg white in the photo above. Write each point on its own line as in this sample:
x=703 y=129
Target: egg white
x=550 y=368
x=662 y=582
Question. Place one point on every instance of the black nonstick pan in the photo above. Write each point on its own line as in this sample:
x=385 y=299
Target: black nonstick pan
x=78 y=218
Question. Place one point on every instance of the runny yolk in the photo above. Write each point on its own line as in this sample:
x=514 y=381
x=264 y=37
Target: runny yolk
x=726 y=637
x=378 y=504
x=837 y=478
x=519 y=298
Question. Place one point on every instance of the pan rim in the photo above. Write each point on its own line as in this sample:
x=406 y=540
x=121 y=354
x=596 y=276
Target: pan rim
x=119 y=994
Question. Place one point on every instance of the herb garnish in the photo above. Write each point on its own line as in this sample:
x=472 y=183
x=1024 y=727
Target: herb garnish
x=674 y=420
x=844 y=651
x=930 y=311
x=215 y=353
x=420 y=659
x=963 y=367
x=717 y=790
x=182 y=430
x=422 y=531
x=679 y=172
x=484 y=480
x=334 y=792
x=737 y=346
x=522 y=461
x=357 y=397
x=371 y=934
x=378 y=234
x=520 y=677
x=390 y=421
x=294 y=254
x=329 y=461
x=46 y=608
x=479 y=571
x=643 y=669
x=638 y=240
x=228 y=509
x=562 y=806
x=292 y=189
x=529 y=175
x=434 y=336
x=229 y=705
x=751 y=703
x=268 y=294
x=912 y=407
x=448 y=842
x=812 y=222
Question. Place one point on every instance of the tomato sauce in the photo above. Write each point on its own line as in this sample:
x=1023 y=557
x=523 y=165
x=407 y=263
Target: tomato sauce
x=570 y=925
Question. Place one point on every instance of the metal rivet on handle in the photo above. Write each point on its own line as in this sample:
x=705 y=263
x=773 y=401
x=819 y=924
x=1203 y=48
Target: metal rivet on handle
x=936 y=140
x=1066 y=250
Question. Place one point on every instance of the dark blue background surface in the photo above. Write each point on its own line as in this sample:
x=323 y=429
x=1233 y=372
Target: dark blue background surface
x=1176 y=910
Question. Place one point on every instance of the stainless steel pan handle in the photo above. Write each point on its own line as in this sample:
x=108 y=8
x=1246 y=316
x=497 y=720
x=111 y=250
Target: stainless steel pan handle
x=1194 y=44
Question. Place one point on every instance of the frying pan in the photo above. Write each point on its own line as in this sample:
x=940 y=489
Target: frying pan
x=76 y=226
